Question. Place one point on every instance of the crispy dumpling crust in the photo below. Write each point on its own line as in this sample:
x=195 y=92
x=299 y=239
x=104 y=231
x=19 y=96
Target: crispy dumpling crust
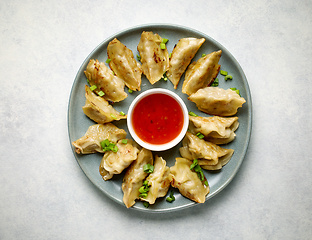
x=98 y=109
x=91 y=141
x=124 y=64
x=100 y=75
x=217 y=101
x=201 y=73
x=219 y=130
x=155 y=61
x=181 y=56
x=187 y=181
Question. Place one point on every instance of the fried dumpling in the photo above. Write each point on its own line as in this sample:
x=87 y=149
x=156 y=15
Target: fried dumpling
x=115 y=162
x=91 y=141
x=159 y=181
x=98 y=109
x=155 y=61
x=124 y=65
x=209 y=155
x=219 y=130
x=181 y=56
x=187 y=181
x=201 y=73
x=217 y=101
x=134 y=177
x=104 y=79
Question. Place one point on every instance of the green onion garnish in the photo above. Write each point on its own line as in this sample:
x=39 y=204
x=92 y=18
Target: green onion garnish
x=138 y=57
x=93 y=87
x=215 y=83
x=88 y=81
x=148 y=168
x=195 y=166
x=164 y=40
x=108 y=60
x=113 y=116
x=193 y=114
x=162 y=45
x=170 y=55
x=108 y=146
x=224 y=73
x=200 y=135
x=101 y=93
x=124 y=141
x=236 y=90
x=203 y=55
x=146 y=204
x=171 y=198
x=130 y=91
x=122 y=113
x=144 y=189
x=228 y=77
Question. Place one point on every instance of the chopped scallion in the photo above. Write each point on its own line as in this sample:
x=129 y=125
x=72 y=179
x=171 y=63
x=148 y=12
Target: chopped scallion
x=138 y=57
x=101 y=93
x=228 y=77
x=122 y=113
x=162 y=45
x=171 y=198
x=146 y=204
x=93 y=87
x=113 y=116
x=200 y=135
x=108 y=146
x=203 y=55
x=193 y=114
x=164 y=40
x=170 y=54
x=108 y=60
x=215 y=83
x=196 y=168
x=224 y=73
x=148 y=168
x=130 y=91
x=124 y=141
x=236 y=90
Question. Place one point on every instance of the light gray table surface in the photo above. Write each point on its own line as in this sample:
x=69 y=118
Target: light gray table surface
x=43 y=192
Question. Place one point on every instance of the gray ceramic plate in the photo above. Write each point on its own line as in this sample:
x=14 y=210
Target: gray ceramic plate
x=78 y=123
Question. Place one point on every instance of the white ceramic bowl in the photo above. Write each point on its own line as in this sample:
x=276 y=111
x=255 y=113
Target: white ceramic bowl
x=157 y=147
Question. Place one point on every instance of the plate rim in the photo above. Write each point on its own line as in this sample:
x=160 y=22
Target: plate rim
x=248 y=127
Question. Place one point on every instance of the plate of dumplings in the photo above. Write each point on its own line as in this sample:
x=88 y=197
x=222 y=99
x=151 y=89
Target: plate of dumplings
x=212 y=85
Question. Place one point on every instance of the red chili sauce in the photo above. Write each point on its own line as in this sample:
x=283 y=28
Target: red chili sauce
x=157 y=119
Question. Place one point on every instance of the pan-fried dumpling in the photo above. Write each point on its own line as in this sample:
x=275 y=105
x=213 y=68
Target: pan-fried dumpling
x=217 y=101
x=187 y=181
x=115 y=162
x=181 y=56
x=124 y=65
x=219 y=130
x=155 y=61
x=209 y=155
x=91 y=141
x=98 y=109
x=101 y=76
x=135 y=176
x=159 y=181
x=201 y=73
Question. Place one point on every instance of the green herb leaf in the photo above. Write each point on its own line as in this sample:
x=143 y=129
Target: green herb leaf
x=124 y=141
x=164 y=40
x=203 y=55
x=93 y=87
x=122 y=113
x=224 y=73
x=215 y=83
x=200 y=135
x=108 y=146
x=130 y=91
x=228 y=77
x=101 y=93
x=162 y=45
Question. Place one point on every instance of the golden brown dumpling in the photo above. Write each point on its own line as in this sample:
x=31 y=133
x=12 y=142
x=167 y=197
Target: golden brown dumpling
x=219 y=130
x=91 y=141
x=187 y=181
x=101 y=76
x=124 y=65
x=155 y=61
x=98 y=109
x=201 y=73
x=217 y=101
x=135 y=176
x=181 y=56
